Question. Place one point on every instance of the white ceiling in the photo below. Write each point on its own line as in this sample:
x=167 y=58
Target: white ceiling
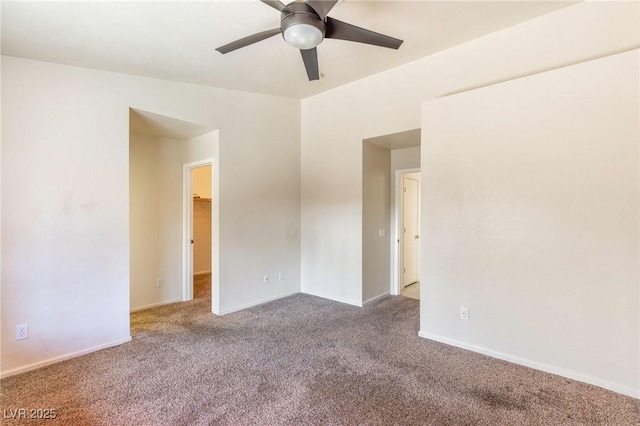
x=176 y=40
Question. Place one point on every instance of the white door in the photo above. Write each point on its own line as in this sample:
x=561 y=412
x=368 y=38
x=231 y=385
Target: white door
x=411 y=230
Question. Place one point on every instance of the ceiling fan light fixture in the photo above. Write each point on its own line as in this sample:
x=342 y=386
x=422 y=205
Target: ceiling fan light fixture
x=304 y=24
x=303 y=36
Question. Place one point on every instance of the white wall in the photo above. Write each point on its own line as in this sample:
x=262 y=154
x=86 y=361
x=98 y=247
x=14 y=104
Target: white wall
x=376 y=214
x=531 y=221
x=65 y=226
x=155 y=206
x=334 y=123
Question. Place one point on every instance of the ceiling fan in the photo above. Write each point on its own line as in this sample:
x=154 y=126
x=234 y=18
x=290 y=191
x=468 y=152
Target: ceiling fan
x=304 y=24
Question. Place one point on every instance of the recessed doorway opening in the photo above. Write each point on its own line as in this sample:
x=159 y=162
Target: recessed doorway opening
x=159 y=217
x=382 y=215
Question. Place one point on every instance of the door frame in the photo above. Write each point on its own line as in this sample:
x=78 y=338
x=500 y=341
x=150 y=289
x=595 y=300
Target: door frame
x=396 y=249
x=187 y=232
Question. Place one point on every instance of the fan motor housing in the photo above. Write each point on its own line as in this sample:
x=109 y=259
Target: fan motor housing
x=300 y=13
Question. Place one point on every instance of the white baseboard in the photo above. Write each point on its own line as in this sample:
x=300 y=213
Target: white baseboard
x=259 y=302
x=373 y=299
x=325 y=296
x=155 y=305
x=65 y=357
x=635 y=393
x=202 y=272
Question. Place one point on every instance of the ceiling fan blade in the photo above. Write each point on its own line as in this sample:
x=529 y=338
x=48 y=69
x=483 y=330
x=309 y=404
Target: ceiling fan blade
x=343 y=31
x=322 y=7
x=274 y=4
x=246 y=41
x=310 y=58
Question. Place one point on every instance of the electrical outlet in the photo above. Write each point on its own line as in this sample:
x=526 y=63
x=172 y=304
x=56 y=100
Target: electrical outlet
x=22 y=332
x=265 y=279
x=464 y=313
x=159 y=282
x=281 y=276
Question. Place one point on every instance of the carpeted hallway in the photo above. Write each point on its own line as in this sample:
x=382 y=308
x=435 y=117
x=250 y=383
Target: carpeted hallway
x=202 y=286
x=302 y=360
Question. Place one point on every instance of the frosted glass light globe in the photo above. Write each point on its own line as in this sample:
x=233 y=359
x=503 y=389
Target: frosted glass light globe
x=303 y=36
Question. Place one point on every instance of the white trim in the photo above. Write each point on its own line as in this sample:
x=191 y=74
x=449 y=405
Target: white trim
x=396 y=249
x=331 y=297
x=259 y=302
x=155 y=305
x=57 y=359
x=635 y=393
x=187 y=228
x=373 y=299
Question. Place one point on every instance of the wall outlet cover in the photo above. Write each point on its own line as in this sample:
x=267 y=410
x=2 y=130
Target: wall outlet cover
x=464 y=313
x=22 y=332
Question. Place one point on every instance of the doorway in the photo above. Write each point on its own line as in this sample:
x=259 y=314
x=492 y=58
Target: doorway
x=404 y=150
x=198 y=214
x=410 y=229
x=201 y=189
x=159 y=147
x=407 y=214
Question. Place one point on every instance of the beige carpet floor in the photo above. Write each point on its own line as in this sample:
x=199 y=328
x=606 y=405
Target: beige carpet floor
x=202 y=286
x=301 y=360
